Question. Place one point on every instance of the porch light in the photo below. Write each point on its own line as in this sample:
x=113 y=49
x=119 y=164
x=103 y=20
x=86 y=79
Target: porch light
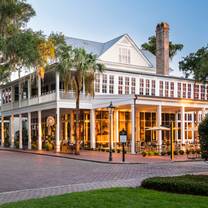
x=110 y=108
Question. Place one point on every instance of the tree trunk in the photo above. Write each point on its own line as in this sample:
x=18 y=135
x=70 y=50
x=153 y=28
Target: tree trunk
x=77 y=127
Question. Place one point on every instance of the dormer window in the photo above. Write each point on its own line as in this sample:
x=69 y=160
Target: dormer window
x=124 y=55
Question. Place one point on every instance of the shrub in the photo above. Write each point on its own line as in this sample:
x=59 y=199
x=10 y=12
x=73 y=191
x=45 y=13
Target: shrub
x=156 y=153
x=151 y=153
x=188 y=151
x=193 y=151
x=203 y=137
x=169 y=152
x=181 y=152
x=198 y=151
x=163 y=153
x=175 y=152
x=188 y=184
x=144 y=154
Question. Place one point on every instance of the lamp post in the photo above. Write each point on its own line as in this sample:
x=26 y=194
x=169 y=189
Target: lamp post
x=110 y=108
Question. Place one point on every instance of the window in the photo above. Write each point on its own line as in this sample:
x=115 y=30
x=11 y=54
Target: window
x=166 y=89
x=153 y=87
x=202 y=92
x=111 y=84
x=179 y=90
x=126 y=85
x=104 y=84
x=161 y=88
x=133 y=85
x=120 y=85
x=141 y=87
x=97 y=83
x=189 y=90
x=196 y=91
x=147 y=87
x=207 y=92
x=124 y=55
x=6 y=95
x=184 y=90
x=172 y=89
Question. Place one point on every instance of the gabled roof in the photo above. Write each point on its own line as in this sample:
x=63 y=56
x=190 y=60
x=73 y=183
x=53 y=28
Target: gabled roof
x=99 y=48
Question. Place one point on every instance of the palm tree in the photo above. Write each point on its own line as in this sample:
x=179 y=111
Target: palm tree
x=77 y=68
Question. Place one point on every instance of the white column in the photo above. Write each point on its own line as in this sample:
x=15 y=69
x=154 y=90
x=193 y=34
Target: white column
x=20 y=131
x=12 y=130
x=57 y=85
x=117 y=125
x=92 y=129
x=159 y=123
x=29 y=131
x=183 y=125
x=2 y=129
x=66 y=127
x=57 y=129
x=133 y=125
x=203 y=113
x=39 y=131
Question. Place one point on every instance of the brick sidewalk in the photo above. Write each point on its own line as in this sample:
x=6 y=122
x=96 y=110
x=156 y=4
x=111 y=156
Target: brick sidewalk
x=102 y=157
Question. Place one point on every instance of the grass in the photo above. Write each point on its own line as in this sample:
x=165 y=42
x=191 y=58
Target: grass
x=186 y=184
x=113 y=198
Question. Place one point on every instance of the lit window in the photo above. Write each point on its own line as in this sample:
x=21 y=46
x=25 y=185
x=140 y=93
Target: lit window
x=126 y=85
x=147 y=87
x=120 y=85
x=133 y=85
x=166 y=89
x=196 y=91
x=189 y=90
x=141 y=86
x=179 y=90
x=184 y=90
x=111 y=84
x=97 y=83
x=161 y=88
x=124 y=55
x=104 y=84
x=202 y=92
x=172 y=89
x=153 y=87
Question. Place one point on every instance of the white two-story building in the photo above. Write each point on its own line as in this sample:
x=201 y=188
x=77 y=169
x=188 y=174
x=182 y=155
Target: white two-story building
x=135 y=81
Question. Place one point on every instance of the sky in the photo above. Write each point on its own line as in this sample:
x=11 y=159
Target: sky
x=102 y=20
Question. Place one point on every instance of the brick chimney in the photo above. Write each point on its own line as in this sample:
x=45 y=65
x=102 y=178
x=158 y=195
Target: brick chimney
x=162 y=49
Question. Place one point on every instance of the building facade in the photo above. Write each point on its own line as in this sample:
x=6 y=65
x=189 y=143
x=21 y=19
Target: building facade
x=136 y=82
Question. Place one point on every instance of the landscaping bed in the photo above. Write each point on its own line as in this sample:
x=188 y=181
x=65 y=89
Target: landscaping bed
x=113 y=198
x=187 y=184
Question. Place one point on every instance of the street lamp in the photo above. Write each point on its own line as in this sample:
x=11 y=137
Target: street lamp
x=110 y=108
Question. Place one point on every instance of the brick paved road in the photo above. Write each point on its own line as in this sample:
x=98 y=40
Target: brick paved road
x=45 y=175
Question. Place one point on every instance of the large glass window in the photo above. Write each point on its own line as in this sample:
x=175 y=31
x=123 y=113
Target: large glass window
x=161 y=89
x=133 y=85
x=202 y=92
x=124 y=55
x=141 y=86
x=111 y=84
x=120 y=85
x=189 y=90
x=166 y=89
x=153 y=87
x=196 y=91
x=102 y=122
x=184 y=90
x=126 y=85
x=172 y=89
x=147 y=87
x=179 y=90
x=104 y=84
x=97 y=83
x=125 y=123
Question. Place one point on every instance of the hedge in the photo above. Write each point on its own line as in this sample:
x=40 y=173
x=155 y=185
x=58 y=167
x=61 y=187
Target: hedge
x=187 y=184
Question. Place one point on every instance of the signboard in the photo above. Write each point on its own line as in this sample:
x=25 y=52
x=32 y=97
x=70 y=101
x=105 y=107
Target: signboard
x=123 y=136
